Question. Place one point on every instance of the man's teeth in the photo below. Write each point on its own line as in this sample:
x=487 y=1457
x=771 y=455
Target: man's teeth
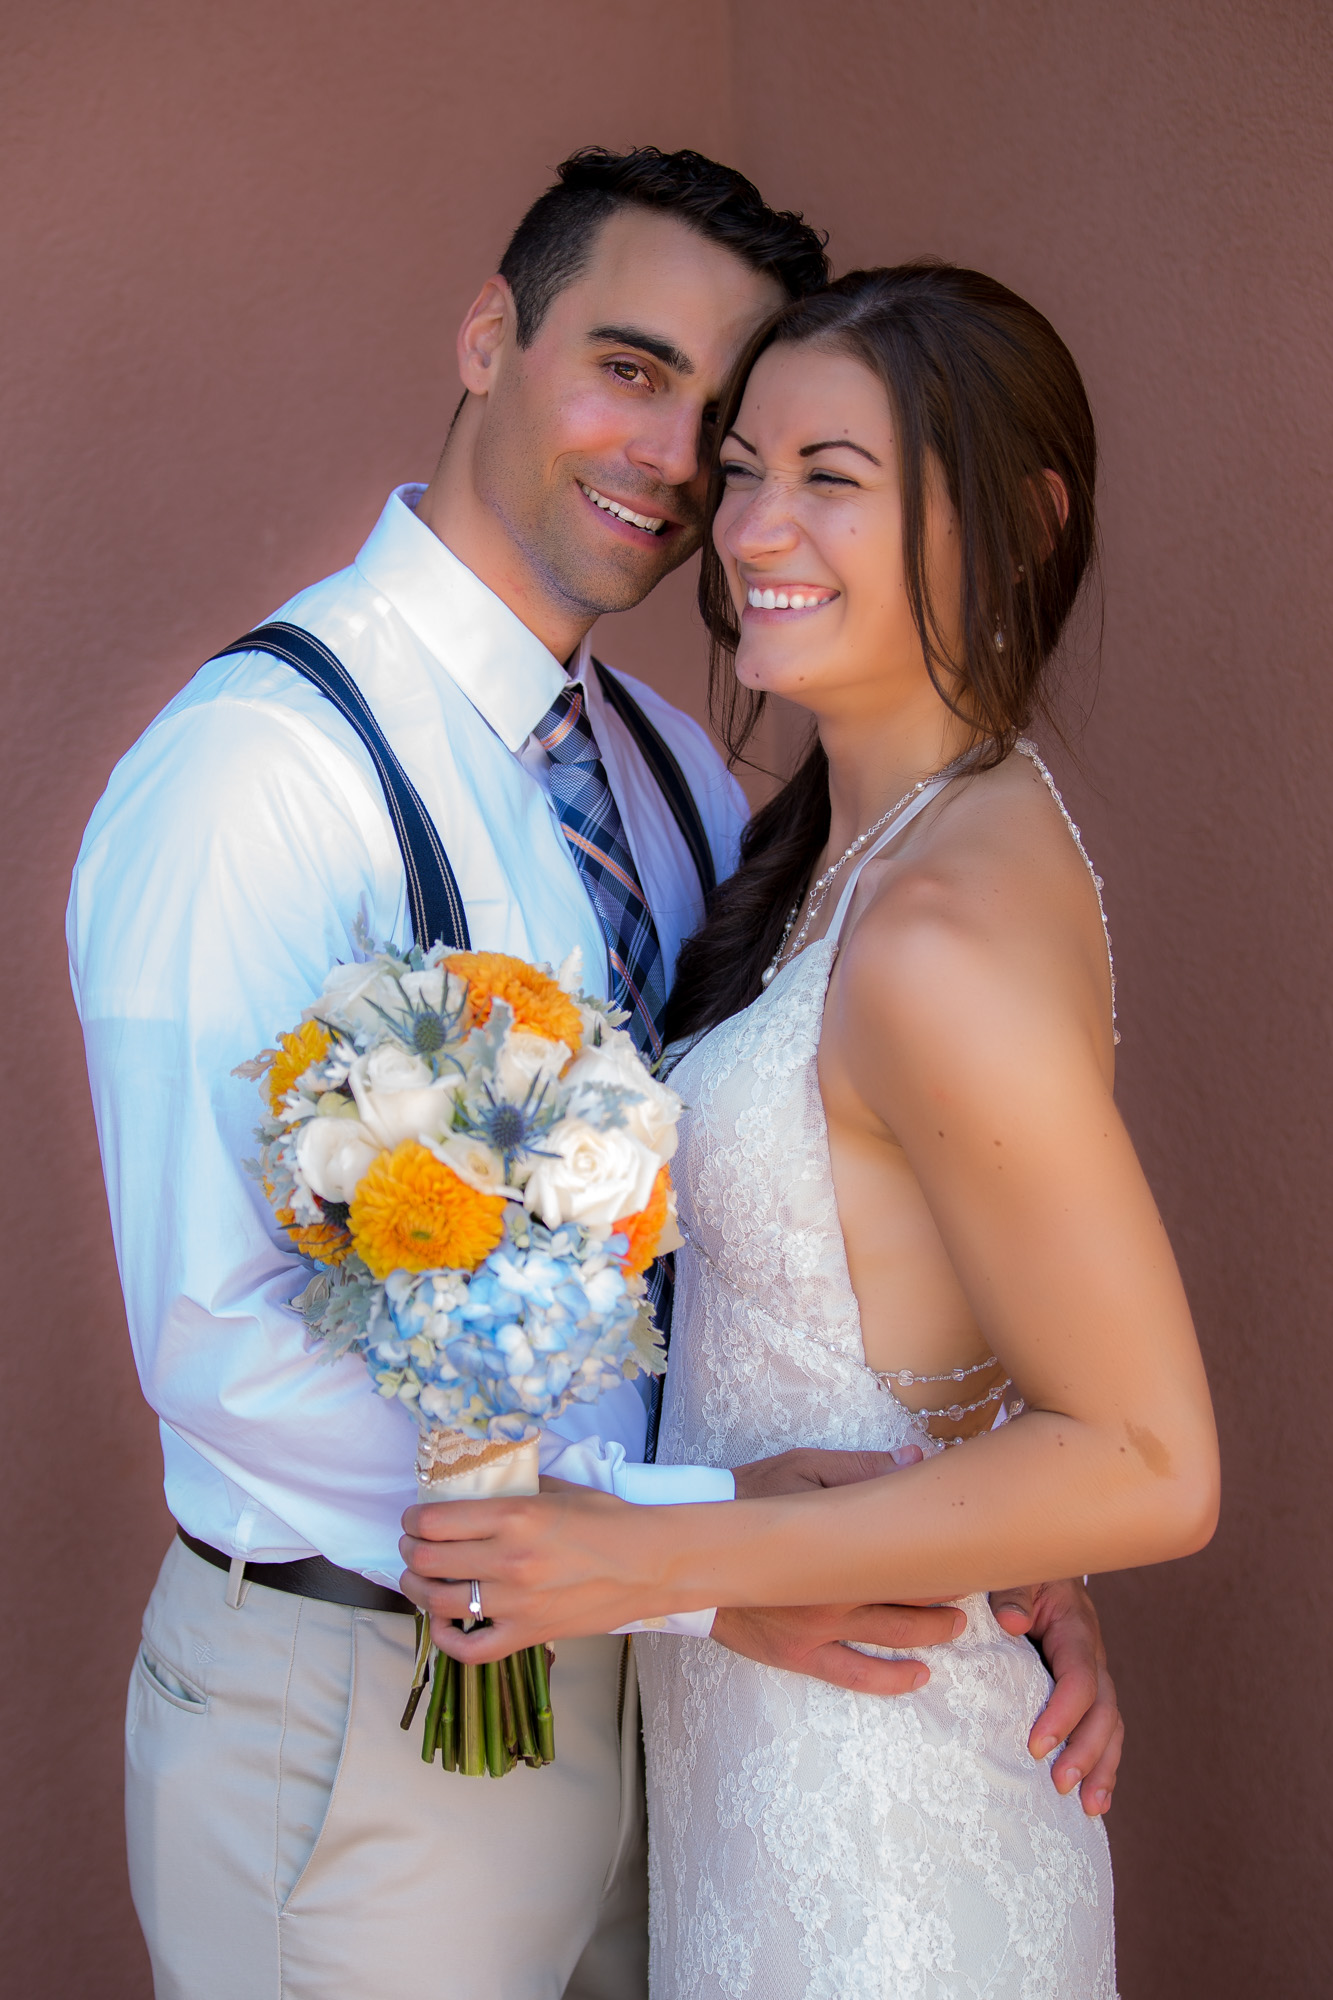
x=783 y=600
x=654 y=524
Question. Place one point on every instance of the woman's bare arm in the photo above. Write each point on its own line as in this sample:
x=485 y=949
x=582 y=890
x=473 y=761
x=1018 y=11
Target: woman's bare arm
x=986 y=1074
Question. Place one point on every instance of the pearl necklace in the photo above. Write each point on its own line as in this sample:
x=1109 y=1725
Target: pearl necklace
x=818 y=892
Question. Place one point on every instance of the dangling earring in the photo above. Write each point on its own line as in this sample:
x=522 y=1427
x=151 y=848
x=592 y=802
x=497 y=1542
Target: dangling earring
x=999 y=638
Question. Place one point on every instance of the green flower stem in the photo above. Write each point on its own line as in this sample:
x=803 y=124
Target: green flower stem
x=472 y=1727
x=431 y=1730
x=541 y=1688
x=421 y=1669
x=483 y=1719
x=448 y=1730
x=508 y=1723
x=517 y=1676
x=495 y=1745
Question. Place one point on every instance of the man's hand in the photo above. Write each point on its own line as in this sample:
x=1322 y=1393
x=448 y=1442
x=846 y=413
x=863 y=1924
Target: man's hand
x=816 y=1639
x=804 y=1471
x=1061 y=1619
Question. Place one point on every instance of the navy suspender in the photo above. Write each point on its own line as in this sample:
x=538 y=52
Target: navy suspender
x=432 y=893
x=656 y=754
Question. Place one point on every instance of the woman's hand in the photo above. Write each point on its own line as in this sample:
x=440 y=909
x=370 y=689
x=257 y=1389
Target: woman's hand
x=567 y=1563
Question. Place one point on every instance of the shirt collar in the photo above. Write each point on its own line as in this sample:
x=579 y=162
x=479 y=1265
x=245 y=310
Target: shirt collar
x=504 y=670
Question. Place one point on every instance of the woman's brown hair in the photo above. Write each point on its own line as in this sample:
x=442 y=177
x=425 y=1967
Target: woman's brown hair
x=981 y=384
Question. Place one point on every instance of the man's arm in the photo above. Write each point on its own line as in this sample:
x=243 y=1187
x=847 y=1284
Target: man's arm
x=218 y=880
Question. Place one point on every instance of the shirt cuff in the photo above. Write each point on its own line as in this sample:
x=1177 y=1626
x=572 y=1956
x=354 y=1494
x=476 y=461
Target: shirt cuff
x=684 y=1624
x=672 y=1485
x=601 y=1463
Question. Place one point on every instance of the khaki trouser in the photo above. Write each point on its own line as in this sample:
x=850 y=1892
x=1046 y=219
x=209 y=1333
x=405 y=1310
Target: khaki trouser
x=286 y=1842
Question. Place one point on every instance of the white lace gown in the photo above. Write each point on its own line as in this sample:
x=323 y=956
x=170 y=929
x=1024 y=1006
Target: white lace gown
x=807 y=1843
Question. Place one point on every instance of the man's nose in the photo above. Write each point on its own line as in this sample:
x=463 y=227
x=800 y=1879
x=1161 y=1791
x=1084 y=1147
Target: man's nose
x=670 y=449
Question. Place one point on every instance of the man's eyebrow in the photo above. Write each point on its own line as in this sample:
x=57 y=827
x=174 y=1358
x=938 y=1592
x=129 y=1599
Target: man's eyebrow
x=647 y=343
x=837 y=444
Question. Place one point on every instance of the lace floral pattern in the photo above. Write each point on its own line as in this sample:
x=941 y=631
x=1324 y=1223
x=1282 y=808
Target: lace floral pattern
x=809 y=1843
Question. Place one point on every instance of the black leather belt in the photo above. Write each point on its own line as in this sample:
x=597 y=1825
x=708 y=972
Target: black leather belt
x=309 y=1576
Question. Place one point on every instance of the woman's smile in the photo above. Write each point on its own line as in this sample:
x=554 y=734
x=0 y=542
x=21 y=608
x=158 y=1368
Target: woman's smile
x=787 y=597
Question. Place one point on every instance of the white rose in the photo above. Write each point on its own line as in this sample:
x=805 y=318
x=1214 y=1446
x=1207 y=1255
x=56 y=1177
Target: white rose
x=590 y=1176
x=616 y=1062
x=350 y=990
x=569 y=977
x=333 y=1155
x=526 y=1059
x=472 y=1160
x=397 y=1096
x=433 y=987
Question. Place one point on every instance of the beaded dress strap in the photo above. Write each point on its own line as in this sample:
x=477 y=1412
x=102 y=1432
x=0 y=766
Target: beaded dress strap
x=1028 y=749
x=891 y=832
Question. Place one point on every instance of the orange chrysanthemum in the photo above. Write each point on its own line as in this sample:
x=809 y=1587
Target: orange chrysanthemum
x=295 y=1053
x=325 y=1242
x=540 y=1006
x=644 y=1230
x=411 y=1213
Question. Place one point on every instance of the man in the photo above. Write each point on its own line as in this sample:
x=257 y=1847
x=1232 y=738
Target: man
x=284 y=1835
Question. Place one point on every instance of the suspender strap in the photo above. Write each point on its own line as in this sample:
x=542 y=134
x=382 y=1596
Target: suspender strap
x=432 y=893
x=658 y=757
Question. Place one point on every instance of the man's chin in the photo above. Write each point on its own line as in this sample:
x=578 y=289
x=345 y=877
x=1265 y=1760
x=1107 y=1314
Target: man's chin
x=606 y=582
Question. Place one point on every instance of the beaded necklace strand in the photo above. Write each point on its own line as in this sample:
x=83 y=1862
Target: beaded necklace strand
x=817 y=893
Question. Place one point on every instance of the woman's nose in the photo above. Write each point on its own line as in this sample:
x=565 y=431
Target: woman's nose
x=764 y=525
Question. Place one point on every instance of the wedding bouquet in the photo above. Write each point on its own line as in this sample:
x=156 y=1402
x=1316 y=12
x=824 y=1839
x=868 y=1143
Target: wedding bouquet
x=474 y=1156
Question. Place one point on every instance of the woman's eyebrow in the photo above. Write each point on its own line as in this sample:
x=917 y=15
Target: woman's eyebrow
x=837 y=444
x=741 y=442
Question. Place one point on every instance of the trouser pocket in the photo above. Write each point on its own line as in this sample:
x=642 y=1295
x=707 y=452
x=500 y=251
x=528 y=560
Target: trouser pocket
x=167 y=1682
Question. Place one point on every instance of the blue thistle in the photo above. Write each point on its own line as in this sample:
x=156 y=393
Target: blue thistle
x=510 y=1128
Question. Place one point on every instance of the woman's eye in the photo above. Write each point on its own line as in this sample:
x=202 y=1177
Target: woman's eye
x=830 y=479
x=733 y=471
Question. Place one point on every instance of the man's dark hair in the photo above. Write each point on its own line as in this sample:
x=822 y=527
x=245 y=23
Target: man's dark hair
x=553 y=242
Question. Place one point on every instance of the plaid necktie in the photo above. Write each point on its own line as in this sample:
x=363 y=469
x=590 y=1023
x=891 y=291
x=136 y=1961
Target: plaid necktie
x=596 y=835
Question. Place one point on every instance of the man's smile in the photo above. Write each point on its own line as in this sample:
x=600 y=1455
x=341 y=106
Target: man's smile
x=648 y=524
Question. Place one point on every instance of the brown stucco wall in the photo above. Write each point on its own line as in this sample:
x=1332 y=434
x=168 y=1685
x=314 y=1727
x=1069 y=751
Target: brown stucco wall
x=237 y=241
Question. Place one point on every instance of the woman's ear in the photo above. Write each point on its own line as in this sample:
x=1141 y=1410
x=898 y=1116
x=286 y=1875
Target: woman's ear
x=1059 y=493
x=1054 y=501
x=1056 y=497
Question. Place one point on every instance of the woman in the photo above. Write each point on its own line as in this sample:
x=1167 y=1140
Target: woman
x=911 y=1210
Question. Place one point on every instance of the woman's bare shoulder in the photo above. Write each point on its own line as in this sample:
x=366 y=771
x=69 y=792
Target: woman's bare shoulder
x=994 y=898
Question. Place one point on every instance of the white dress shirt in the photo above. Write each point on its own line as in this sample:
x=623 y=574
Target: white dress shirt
x=221 y=875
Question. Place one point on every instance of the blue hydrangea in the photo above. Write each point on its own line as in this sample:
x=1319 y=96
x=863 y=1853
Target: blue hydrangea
x=548 y=1319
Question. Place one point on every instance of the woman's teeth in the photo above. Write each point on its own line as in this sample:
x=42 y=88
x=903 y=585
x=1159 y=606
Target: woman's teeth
x=653 y=524
x=788 y=600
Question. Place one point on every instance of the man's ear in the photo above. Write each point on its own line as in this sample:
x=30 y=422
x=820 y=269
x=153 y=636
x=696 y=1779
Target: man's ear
x=489 y=326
